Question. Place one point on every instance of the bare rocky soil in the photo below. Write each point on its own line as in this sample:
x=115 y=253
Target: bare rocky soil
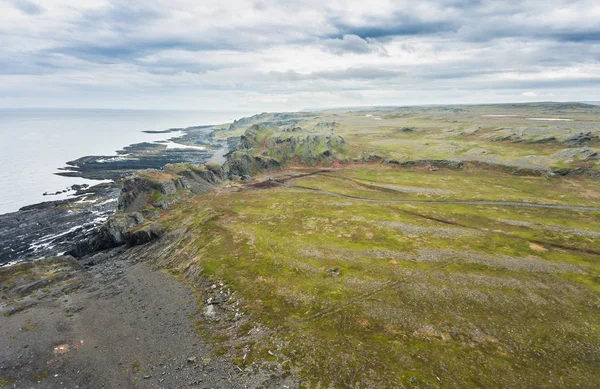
x=115 y=325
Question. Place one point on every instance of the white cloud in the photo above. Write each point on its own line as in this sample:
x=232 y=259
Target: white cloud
x=288 y=55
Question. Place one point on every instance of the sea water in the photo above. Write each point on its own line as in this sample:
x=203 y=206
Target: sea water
x=34 y=143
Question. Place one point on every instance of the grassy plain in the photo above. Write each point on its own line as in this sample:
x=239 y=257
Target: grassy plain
x=381 y=294
x=378 y=276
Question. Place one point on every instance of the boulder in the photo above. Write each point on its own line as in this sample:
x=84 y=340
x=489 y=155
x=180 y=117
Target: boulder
x=112 y=234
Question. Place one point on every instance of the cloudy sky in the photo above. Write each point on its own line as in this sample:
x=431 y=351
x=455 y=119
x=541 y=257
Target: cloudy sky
x=288 y=55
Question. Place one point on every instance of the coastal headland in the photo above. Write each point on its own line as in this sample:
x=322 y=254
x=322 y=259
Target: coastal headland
x=385 y=247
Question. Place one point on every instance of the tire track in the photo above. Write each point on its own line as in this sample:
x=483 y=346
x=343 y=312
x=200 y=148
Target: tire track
x=491 y=203
x=332 y=311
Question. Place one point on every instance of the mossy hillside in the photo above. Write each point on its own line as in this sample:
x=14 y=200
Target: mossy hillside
x=343 y=280
x=292 y=145
x=499 y=135
x=23 y=279
x=378 y=294
x=385 y=182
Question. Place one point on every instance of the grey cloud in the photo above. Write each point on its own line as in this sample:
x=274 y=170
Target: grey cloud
x=362 y=73
x=547 y=84
x=399 y=24
x=131 y=50
x=123 y=16
x=353 y=44
x=352 y=73
x=474 y=20
x=418 y=46
x=515 y=30
x=577 y=36
x=137 y=29
x=26 y=6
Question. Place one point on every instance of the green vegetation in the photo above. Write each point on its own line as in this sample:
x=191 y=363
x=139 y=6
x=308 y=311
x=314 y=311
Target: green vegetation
x=136 y=367
x=380 y=294
x=395 y=269
x=502 y=135
x=30 y=326
x=6 y=381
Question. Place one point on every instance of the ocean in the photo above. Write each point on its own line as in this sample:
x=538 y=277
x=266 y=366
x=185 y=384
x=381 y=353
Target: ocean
x=36 y=142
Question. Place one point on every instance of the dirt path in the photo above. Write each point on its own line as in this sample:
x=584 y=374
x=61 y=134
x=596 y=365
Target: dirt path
x=493 y=203
x=287 y=179
x=125 y=327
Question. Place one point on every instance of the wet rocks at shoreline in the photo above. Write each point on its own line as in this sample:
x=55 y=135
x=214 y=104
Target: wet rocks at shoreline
x=55 y=227
x=196 y=146
x=75 y=187
x=52 y=228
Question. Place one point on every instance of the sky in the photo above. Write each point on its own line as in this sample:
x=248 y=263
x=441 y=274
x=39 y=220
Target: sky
x=262 y=55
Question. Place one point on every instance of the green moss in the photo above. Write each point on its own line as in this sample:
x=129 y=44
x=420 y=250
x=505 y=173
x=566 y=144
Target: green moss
x=29 y=327
x=155 y=197
x=6 y=381
x=407 y=297
x=136 y=367
x=364 y=276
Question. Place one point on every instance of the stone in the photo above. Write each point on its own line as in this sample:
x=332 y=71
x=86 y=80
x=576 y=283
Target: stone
x=333 y=272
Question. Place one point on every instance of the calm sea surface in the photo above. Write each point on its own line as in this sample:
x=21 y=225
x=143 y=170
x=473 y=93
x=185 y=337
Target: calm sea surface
x=35 y=143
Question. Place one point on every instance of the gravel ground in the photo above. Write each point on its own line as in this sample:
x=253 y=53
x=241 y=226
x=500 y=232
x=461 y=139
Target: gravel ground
x=440 y=232
x=574 y=231
x=119 y=325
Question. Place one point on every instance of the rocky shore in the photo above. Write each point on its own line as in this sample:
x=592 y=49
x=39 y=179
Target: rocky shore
x=195 y=146
x=54 y=227
x=102 y=315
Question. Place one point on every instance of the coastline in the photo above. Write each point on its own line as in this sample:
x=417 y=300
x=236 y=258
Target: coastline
x=38 y=141
x=53 y=227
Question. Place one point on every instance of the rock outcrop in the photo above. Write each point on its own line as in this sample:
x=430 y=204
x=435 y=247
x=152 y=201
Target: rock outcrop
x=112 y=234
x=160 y=190
x=289 y=146
x=242 y=164
x=259 y=149
x=139 y=199
x=582 y=154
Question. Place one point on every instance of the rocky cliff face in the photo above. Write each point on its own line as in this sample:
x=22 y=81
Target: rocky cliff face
x=242 y=164
x=292 y=145
x=141 y=196
x=160 y=189
x=260 y=149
